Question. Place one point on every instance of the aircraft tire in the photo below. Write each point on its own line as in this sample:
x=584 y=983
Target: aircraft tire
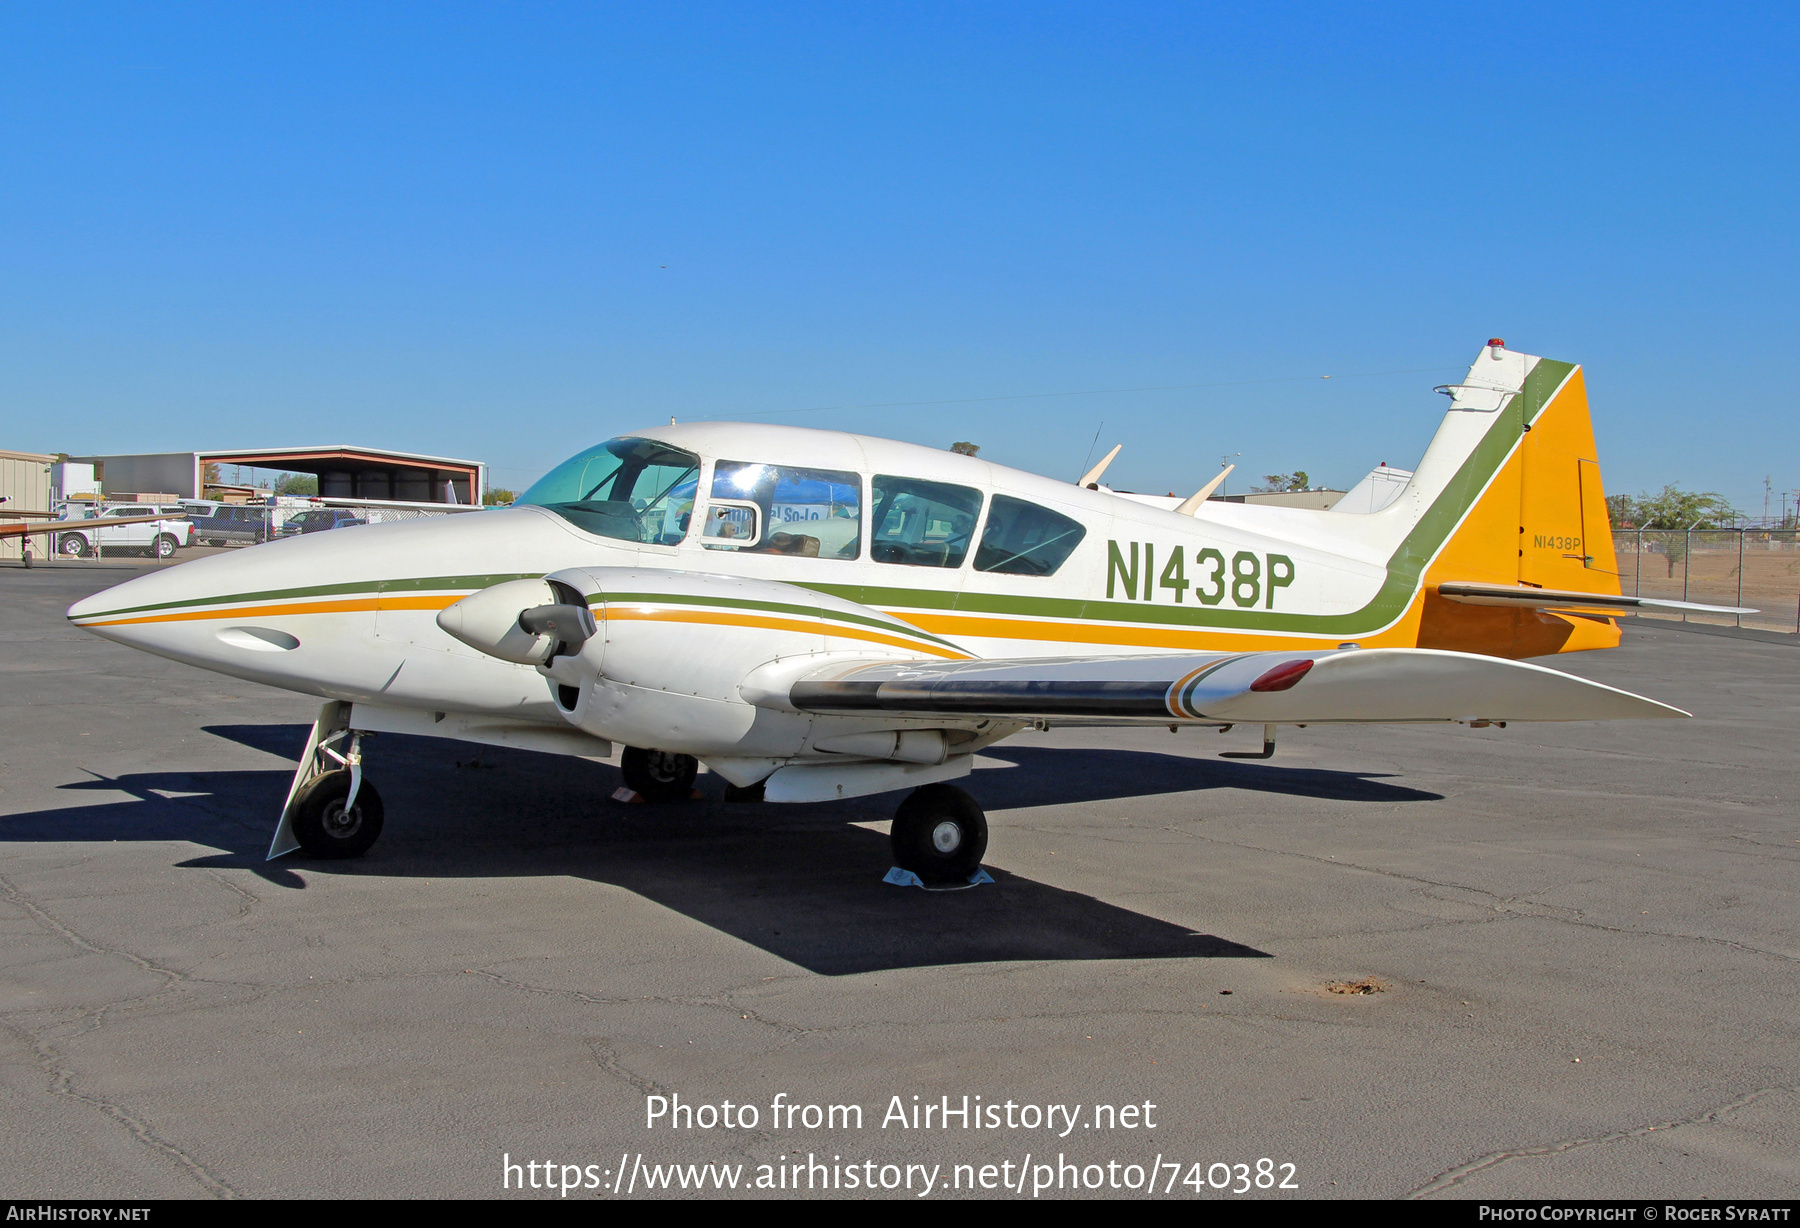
x=749 y=793
x=658 y=775
x=940 y=834
x=320 y=824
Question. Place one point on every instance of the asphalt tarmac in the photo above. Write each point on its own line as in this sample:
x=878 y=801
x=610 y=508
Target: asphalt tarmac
x=1579 y=941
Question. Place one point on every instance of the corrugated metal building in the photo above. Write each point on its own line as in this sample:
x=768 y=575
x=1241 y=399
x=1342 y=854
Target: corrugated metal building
x=24 y=487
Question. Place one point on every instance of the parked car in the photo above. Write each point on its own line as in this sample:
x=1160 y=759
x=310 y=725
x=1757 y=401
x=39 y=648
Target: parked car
x=232 y=524
x=150 y=532
x=319 y=519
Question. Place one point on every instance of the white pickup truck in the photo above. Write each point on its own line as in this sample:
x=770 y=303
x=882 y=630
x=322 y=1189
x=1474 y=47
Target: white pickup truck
x=148 y=532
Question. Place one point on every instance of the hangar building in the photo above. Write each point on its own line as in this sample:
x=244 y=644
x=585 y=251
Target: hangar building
x=344 y=472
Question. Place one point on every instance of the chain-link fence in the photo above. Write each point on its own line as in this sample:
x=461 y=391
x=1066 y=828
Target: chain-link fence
x=249 y=523
x=1759 y=568
x=166 y=530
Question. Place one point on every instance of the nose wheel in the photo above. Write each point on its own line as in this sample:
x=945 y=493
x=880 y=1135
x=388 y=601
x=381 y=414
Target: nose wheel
x=940 y=834
x=659 y=775
x=332 y=812
x=325 y=827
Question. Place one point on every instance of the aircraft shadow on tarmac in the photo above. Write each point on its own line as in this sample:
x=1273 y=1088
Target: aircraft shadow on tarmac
x=801 y=882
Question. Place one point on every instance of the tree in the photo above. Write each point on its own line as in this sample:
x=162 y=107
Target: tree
x=1671 y=513
x=1674 y=508
x=498 y=496
x=297 y=484
x=1279 y=483
x=965 y=448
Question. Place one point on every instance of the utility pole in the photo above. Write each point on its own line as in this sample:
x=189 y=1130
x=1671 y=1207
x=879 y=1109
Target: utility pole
x=1225 y=463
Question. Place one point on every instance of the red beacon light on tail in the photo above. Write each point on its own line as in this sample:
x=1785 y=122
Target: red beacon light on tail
x=1495 y=346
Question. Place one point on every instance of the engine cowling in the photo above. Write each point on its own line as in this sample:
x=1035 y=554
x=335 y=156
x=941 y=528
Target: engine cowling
x=700 y=663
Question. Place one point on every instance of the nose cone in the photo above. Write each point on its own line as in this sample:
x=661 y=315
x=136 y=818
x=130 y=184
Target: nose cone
x=488 y=621
x=232 y=609
x=305 y=612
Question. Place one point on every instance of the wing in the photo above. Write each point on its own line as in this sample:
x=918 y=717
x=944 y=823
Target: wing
x=1357 y=685
x=1522 y=597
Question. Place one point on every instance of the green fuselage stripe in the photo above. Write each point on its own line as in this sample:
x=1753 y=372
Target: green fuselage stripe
x=1405 y=569
x=418 y=584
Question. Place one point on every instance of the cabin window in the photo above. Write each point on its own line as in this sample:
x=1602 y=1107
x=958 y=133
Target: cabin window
x=636 y=490
x=810 y=513
x=924 y=524
x=1023 y=539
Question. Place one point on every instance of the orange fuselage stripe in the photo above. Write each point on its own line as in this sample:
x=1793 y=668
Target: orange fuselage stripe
x=964 y=626
x=621 y=613
x=349 y=606
x=835 y=630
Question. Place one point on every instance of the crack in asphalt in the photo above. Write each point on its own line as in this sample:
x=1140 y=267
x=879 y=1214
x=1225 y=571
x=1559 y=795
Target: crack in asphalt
x=1504 y=904
x=247 y=899
x=62 y=1078
x=1452 y=1177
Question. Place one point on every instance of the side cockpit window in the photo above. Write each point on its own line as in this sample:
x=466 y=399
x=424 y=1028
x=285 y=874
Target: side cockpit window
x=924 y=524
x=1023 y=539
x=636 y=490
x=780 y=509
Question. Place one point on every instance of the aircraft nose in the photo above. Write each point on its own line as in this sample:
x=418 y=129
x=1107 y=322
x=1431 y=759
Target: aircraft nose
x=178 y=611
x=332 y=613
x=114 y=607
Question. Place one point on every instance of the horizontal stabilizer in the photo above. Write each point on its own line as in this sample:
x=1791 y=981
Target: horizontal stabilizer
x=1525 y=597
x=1374 y=685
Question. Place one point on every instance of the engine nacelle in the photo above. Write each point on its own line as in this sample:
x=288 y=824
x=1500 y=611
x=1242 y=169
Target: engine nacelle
x=701 y=663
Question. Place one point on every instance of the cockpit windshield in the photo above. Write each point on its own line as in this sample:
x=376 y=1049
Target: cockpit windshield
x=636 y=490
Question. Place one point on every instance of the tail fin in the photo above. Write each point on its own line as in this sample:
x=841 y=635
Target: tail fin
x=1515 y=463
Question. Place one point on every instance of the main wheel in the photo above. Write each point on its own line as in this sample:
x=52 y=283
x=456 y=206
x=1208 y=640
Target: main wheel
x=659 y=775
x=165 y=546
x=940 y=834
x=324 y=828
x=72 y=544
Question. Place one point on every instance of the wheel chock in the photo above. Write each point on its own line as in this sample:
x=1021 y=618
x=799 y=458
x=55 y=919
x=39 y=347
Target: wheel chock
x=906 y=878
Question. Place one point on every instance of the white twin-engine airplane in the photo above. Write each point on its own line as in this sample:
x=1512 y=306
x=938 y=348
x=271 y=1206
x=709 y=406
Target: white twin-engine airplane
x=818 y=615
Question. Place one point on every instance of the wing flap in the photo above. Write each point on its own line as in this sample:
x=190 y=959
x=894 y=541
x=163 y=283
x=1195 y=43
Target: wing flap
x=1374 y=685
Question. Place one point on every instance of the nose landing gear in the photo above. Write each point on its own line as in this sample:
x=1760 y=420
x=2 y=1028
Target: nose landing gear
x=940 y=834
x=331 y=812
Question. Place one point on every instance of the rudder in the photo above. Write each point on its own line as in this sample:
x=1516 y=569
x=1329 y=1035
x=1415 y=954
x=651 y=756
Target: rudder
x=1541 y=522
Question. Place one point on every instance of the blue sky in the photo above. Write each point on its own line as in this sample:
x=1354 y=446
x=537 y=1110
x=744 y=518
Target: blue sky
x=507 y=231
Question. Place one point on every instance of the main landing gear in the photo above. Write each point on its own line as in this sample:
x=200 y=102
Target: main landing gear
x=659 y=775
x=940 y=834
